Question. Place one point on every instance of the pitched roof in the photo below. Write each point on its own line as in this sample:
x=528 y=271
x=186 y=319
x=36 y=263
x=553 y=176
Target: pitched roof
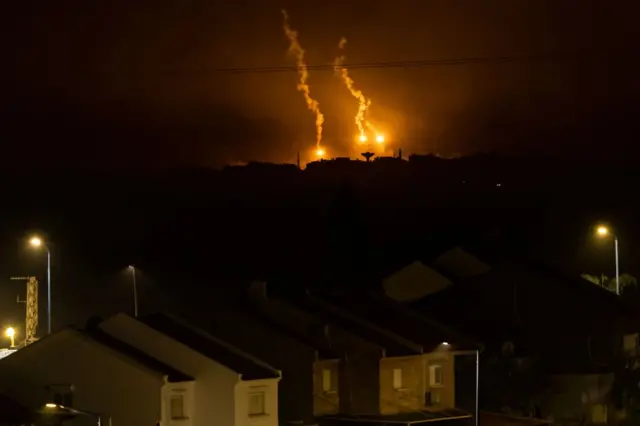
x=323 y=351
x=391 y=315
x=245 y=365
x=138 y=356
x=393 y=344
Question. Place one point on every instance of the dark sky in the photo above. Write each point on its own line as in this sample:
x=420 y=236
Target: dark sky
x=133 y=83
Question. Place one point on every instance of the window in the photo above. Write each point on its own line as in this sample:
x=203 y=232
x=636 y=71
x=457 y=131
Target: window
x=256 y=404
x=397 y=378
x=434 y=398
x=435 y=375
x=326 y=380
x=176 y=407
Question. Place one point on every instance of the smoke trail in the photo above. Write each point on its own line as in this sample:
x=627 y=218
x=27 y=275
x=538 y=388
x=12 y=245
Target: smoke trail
x=348 y=81
x=298 y=52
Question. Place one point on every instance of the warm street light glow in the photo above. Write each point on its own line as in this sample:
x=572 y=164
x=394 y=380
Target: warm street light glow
x=51 y=405
x=11 y=334
x=35 y=241
x=603 y=231
x=445 y=343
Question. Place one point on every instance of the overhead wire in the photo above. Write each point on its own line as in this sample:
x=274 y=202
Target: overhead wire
x=417 y=63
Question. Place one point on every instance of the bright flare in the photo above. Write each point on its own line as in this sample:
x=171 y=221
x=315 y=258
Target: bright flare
x=35 y=241
x=10 y=332
x=298 y=52
x=603 y=230
x=320 y=152
x=380 y=139
x=363 y=102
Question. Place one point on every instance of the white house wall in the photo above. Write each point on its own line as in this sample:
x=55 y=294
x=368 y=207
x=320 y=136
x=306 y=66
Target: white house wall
x=104 y=381
x=215 y=385
x=242 y=391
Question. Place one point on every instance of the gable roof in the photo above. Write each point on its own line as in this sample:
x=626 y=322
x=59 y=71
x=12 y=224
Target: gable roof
x=393 y=344
x=391 y=315
x=413 y=282
x=514 y=300
x=323 y=351
x=247 y=367
x=138 y=356
x=139 y=359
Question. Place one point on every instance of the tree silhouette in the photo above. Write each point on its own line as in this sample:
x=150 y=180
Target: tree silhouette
x=627 y=281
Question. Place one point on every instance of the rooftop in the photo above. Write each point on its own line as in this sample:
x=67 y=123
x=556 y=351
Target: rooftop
x=248 y=367
x=137 y=355
x=393 y=344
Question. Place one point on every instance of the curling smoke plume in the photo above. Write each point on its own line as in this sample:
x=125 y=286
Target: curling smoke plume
x=298 y=52
x=363 y=102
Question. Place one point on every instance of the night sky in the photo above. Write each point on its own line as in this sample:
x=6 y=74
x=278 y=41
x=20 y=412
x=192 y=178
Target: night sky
x=142 y=84
x=135 y=83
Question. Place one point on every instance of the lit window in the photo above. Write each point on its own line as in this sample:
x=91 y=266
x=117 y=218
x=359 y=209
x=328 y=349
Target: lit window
x=435 y=375
x=397 y=378
x=177 y=407
x=326 y=380
x=256 y=404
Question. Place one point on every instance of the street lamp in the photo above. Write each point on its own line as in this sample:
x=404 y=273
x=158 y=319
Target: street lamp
x=135 y=290
x=51 y=408
x=11 y=334
x=603 y=232
x=37 y=242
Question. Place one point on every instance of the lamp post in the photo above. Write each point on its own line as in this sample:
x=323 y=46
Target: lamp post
x=11 y=334
x=603 y=231
x=51 y=408
x=37 y=243
x=135 y=290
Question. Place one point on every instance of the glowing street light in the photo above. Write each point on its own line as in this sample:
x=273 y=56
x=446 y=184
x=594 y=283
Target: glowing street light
x=11 y=334
x=37 y=242
x=603 y=232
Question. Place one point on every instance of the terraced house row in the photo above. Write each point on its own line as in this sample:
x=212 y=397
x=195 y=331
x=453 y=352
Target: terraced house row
x=268 y=357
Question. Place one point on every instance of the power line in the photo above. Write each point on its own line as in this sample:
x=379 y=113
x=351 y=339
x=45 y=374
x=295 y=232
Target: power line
x=557 y=57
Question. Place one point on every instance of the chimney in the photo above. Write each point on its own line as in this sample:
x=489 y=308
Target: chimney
x=400 y=154
x=258 y=291
x=298 y=160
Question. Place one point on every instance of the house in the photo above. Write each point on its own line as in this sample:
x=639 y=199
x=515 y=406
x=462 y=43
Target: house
x=381 y=373
x=310 y=369
x=231 y=387
x=558 y=335
x=94 y=372
x=420 y=278
x=446 y=351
